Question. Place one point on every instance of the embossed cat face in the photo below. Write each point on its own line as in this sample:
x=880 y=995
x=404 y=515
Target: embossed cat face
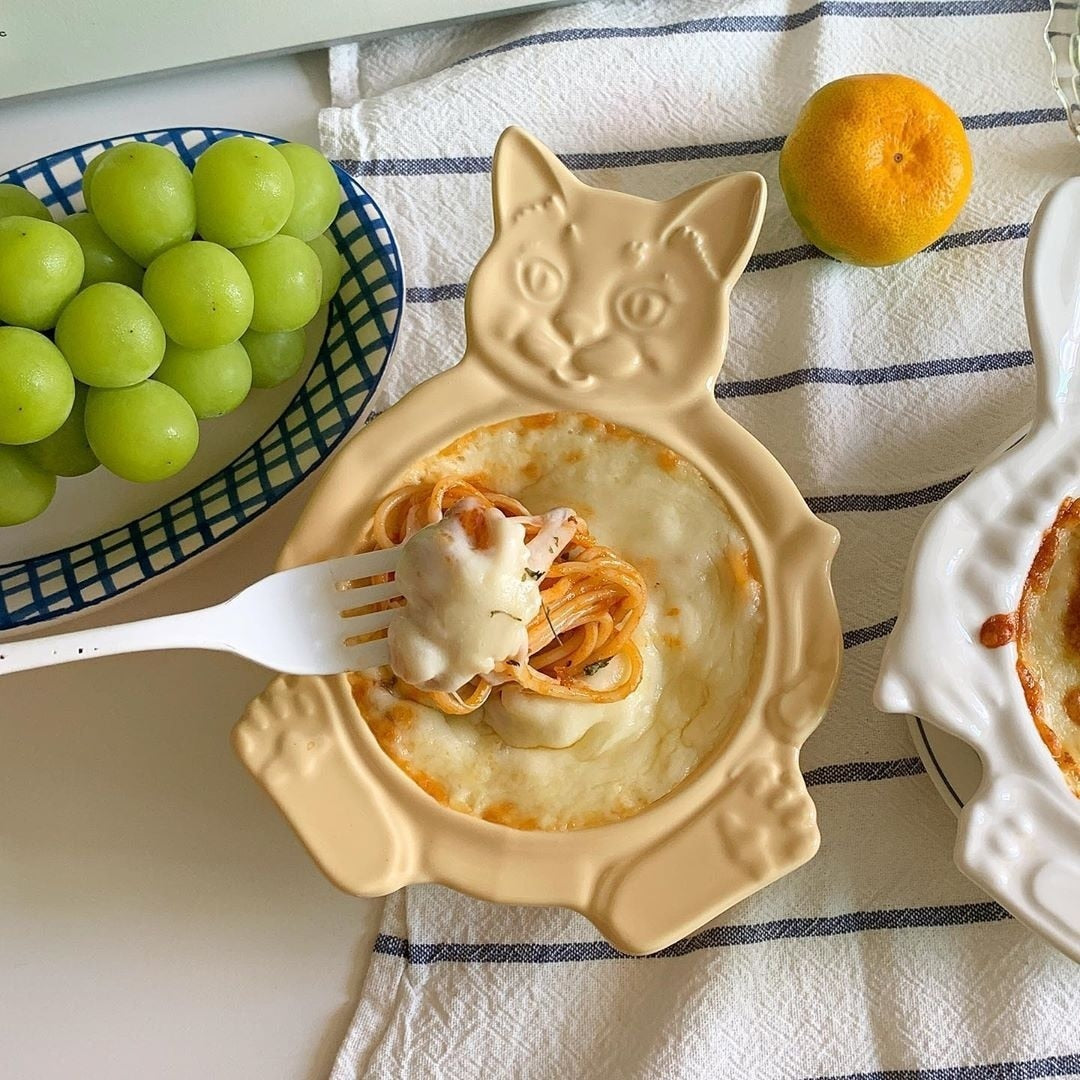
x=594 y=290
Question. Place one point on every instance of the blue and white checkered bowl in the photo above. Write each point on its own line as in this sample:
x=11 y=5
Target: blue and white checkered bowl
x=42 y=579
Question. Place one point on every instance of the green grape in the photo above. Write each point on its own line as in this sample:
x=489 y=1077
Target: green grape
x=333 y=265
x=15 y=199
x=36 y=386
x=318 y=193
x=41 y=268
x=104 y=261
x=201 y=293
x=287 y=278
x=25 y=488
x=66 y=452
x=142 y=433
x=243 y=192
x=144 y=199
x=110 y=336
x=212 y=381
x=92 y=167
x=274 y=357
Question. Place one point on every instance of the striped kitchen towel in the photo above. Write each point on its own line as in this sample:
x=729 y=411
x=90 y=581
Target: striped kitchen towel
x=877 y=390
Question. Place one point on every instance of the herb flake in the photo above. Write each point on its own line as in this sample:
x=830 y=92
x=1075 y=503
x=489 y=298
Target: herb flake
x=551 y=625
x=595 y=666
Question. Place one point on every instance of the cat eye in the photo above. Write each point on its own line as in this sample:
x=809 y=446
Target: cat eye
x=641 y=308
x=540 y=280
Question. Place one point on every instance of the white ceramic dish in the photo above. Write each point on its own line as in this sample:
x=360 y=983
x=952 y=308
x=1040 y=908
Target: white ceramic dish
x=1019 y=833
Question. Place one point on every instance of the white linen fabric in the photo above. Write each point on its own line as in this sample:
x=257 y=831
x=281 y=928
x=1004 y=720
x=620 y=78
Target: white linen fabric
x=876 y=390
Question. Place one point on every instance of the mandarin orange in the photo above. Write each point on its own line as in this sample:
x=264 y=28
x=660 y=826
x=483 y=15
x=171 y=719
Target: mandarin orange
x=876 y=168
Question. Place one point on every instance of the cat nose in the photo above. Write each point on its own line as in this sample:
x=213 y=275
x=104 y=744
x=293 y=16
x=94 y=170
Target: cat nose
x=576 y=328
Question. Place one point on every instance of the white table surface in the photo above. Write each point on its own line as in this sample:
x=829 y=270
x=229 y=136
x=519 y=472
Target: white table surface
x=157 y=916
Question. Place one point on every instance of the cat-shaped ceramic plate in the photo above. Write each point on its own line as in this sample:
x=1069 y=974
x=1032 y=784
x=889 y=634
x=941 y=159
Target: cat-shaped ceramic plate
x=1019 y=835
x=553 y=326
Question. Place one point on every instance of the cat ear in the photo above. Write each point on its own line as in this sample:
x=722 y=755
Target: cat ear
x=524 y=174
x=720 y=220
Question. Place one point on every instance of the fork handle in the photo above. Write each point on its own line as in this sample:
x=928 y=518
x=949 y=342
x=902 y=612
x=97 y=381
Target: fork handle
x=186 y=630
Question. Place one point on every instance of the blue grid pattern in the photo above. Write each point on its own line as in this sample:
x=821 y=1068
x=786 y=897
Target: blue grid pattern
x=361 y=330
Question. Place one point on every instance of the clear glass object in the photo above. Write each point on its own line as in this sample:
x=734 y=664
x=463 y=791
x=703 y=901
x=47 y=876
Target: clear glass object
x=1062 y=36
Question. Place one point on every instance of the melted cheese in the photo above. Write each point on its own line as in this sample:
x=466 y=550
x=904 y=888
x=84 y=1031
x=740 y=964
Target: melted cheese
x=467 y=605
x=529 y=720
x=540 y=763
x=1049 y=642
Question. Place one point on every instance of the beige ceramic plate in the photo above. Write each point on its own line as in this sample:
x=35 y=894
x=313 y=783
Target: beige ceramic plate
x=744 y=818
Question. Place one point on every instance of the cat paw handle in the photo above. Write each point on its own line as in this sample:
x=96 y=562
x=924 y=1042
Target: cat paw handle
x=1018 y=841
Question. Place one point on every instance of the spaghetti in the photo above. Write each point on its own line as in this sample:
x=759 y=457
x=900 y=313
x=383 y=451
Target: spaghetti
x=591 y=601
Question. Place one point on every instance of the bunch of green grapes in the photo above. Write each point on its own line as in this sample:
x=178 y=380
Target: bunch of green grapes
x=161 y=305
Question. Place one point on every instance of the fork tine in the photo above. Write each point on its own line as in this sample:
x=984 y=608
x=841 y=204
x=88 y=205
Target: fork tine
x=351 y=599
x=370 y=654
x=368 y=564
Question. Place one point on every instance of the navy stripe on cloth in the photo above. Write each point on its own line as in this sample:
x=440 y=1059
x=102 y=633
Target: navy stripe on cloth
x=770 y=260
x=1031 y=1069
x=925 y=369
x=863 y=634
x=852 y=772
x=773 y=260
x=773 y=24
x=662 y=155
x=867 y=503
x=432 y=294
x=713 y=937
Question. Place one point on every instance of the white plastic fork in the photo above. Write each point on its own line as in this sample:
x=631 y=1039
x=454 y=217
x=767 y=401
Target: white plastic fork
x=299 y=622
